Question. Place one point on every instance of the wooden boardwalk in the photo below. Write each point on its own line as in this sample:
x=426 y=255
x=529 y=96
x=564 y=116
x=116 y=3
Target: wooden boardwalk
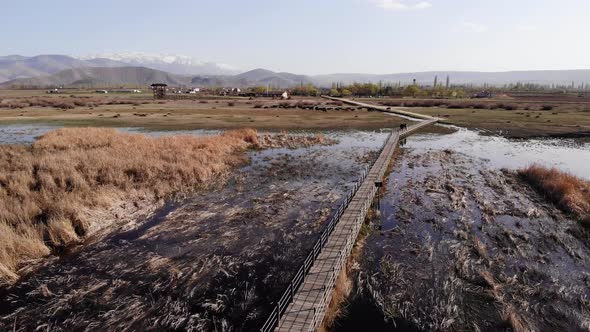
x=307 y=308
x=383 y=109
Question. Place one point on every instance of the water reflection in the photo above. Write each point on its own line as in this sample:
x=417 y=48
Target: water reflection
x=569 y=154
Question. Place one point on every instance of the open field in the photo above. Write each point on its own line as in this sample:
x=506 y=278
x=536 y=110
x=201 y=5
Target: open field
x=208 y=113
x=511 y=117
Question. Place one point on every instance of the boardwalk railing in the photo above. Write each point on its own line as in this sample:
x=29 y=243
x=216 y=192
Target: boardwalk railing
x=275 y=316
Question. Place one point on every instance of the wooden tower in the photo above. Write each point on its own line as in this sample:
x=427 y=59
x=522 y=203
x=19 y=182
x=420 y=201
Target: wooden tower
x=159 y=90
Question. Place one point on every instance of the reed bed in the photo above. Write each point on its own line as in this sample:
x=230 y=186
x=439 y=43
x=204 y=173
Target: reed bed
x=47 y=188
x=568 y=192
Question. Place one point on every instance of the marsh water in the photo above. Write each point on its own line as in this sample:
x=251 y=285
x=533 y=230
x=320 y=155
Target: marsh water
x=461 y=243
x=568 y=154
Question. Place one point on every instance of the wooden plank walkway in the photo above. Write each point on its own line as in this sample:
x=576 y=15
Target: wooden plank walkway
x=383 y=109
x=306 y=310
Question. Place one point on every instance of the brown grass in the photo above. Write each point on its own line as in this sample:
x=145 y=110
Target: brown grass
x=342 y=289
x=65 y=102
x=46 y=188
x=568 y=192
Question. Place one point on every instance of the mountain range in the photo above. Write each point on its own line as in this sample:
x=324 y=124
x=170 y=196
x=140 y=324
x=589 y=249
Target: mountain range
x=141 y=70
x=14 y=67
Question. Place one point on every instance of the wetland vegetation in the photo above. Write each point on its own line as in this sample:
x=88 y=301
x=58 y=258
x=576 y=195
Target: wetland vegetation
x=173 y=201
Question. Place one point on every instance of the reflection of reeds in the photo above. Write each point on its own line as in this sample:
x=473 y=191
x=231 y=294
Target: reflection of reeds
x=46 y=188
x=569 y=192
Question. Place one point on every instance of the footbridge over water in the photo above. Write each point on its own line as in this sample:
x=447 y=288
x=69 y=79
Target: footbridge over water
x=302 y=306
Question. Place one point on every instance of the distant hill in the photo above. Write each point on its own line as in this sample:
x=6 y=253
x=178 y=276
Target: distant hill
x=60 y=70
x=136 y=76
x=261 y=77
x=267 y=77
x=100 y=76
x=176 y=64
x=17 y=66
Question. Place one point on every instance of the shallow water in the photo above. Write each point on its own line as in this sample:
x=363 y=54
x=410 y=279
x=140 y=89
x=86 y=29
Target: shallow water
x=572 y=155
x=22 y=134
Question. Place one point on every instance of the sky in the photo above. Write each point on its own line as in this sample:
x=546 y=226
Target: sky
x=312 y=36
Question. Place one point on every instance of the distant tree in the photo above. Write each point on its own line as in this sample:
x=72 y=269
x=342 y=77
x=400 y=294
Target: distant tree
x=334 y=93
x=459 y=93
x=435 y=81
x=412 y=90
x=439 y=91
x=346 y=93
x=448 y=82
x=305 y=90
x=258 y=90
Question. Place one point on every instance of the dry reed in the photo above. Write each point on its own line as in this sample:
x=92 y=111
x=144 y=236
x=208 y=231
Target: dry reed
x=568 y=192
x=46 y=188
x=66 y=102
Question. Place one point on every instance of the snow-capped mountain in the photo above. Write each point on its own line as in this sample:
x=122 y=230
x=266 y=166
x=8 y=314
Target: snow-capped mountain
x=177 y=64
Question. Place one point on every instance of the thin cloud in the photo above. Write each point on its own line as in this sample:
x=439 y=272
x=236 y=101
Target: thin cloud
x=473 y=27
x=401 y=4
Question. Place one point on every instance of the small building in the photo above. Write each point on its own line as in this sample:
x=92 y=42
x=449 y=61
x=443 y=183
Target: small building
x=230 y=92
x=159 y=90
x=483 y=94
x=276 y=94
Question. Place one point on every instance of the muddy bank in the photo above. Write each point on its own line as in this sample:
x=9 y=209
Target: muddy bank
x=460 y=247
x=215 y=261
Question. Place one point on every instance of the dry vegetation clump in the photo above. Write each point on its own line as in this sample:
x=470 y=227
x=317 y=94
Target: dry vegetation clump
x=284 y=140
x=456 y=106
x=393 y=103
x=569 y=192
x=305 y=104
x=505 y=106
x=335 y=103
x=47 y=189
x=66 y=102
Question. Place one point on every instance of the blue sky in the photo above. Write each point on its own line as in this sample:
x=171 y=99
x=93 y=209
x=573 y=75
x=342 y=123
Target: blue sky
x=312 y=37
